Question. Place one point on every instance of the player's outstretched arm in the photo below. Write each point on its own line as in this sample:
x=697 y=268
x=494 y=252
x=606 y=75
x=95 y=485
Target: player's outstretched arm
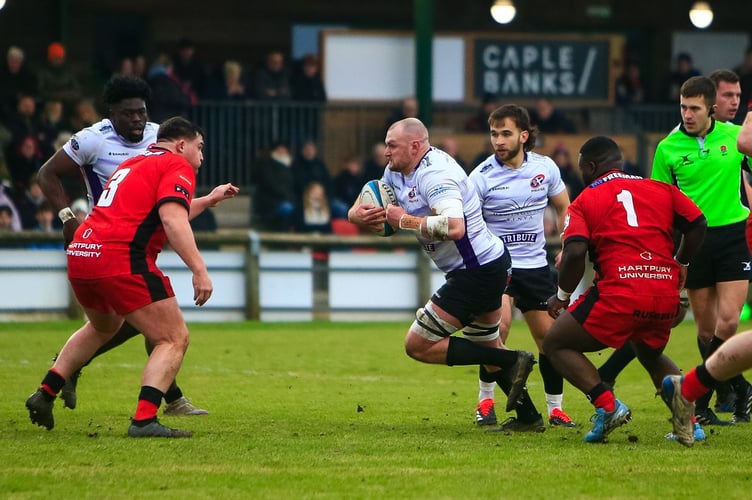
x=180 y=235
x=217 y=195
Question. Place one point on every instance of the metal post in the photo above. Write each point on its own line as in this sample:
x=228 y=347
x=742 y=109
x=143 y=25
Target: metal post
x=252 y=277
x=424 y=59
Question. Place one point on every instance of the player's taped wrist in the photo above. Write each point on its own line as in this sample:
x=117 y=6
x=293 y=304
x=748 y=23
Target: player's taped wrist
x=437 y=227
x=562 y=295
x=409 y=222
x=66 y=214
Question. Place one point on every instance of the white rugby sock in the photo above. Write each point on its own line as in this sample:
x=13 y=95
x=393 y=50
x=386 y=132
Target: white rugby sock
x=553 y=401
x=486 y=390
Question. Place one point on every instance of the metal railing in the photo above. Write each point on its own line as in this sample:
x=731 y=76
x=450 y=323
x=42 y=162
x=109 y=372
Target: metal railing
x=238 y=133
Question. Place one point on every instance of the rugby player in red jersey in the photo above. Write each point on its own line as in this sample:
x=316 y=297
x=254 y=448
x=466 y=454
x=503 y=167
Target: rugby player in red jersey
x=626 y=224
x=112 y=269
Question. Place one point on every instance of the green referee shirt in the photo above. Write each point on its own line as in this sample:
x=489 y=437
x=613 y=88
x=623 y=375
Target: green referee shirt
x=707 y=170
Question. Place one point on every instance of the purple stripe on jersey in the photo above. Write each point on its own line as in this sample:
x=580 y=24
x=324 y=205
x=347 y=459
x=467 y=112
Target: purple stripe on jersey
x=465 y=248
x=92 y=180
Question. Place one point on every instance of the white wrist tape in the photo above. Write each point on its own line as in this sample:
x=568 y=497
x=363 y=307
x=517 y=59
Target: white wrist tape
x=562 y=295
x=66 y=214
x=437 y=227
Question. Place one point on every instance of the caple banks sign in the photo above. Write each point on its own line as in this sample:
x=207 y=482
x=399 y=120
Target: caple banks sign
x=556 y=68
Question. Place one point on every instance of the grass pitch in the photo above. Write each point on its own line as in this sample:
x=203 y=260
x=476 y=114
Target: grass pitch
x=337 y=410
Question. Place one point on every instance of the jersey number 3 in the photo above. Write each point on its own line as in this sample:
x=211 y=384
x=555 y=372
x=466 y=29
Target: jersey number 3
x=625 y=198
x=108 y=195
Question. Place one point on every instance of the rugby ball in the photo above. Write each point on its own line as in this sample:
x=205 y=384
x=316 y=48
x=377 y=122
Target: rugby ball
x=379 y=194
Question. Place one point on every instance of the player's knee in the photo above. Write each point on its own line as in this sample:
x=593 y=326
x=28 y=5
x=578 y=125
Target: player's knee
x=430 y=326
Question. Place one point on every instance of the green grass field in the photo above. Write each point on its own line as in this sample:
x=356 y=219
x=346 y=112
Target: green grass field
x=337 y=410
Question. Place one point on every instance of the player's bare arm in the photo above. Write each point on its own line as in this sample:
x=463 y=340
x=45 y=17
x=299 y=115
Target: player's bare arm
x=437 y=227
x=570 y=273
x=50 y=174
x=215 y=197
x=180 y=235
x=744 y=139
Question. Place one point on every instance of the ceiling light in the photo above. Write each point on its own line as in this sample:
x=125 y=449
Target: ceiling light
x=503 y=11
x=701 y=15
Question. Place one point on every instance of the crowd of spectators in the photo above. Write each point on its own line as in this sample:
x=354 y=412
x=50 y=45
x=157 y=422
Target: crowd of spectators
x=42 y=103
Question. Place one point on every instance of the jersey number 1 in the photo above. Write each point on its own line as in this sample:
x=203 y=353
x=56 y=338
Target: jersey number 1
x=108 y=195
x=625 y=198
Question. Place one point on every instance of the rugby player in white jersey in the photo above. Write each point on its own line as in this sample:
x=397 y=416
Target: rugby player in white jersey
x=515 y=186
x=437 y=202
x=93 y=153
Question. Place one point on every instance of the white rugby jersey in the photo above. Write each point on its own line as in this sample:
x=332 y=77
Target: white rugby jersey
x=514 y=204
x=99 y=150
x=438 y=177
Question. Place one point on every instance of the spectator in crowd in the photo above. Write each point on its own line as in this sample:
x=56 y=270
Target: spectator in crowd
x=16 y=79
x=22 y=123
x=189 y=70
x=51 y=123
x=6 y=219
x=309 y=167
x=549 y=119
x=479 y=122
x=126 y=67
x=449 y=146
x=347 y=185
x=307 y=86
x=271 y=81
x=684 y=71
x=569 y=174
x=45 y=218
x=167 y=96
x=373 y=167
x=230 y=86
x=56 y=78
x=24 y=160
x=315 y=214
x=408 y=108
x=6 y=198
x=629 y=88
x=85 y=114
x=745 y=67
x=275 y=191
x=139 y=67
x=306 y=83
x=28 y=202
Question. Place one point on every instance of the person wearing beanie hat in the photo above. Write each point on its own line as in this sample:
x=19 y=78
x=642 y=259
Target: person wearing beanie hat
x=56 y=79
x=56 y=53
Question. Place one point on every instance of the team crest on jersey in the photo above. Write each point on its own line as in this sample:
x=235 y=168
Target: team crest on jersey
x=537 y=181
x=181 y=189
x=724 y=150
x=413 y=192
x=74 y=144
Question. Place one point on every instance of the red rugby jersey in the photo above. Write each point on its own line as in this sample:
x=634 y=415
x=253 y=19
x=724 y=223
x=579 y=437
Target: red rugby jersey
x=123 y=234
x=628 y=223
